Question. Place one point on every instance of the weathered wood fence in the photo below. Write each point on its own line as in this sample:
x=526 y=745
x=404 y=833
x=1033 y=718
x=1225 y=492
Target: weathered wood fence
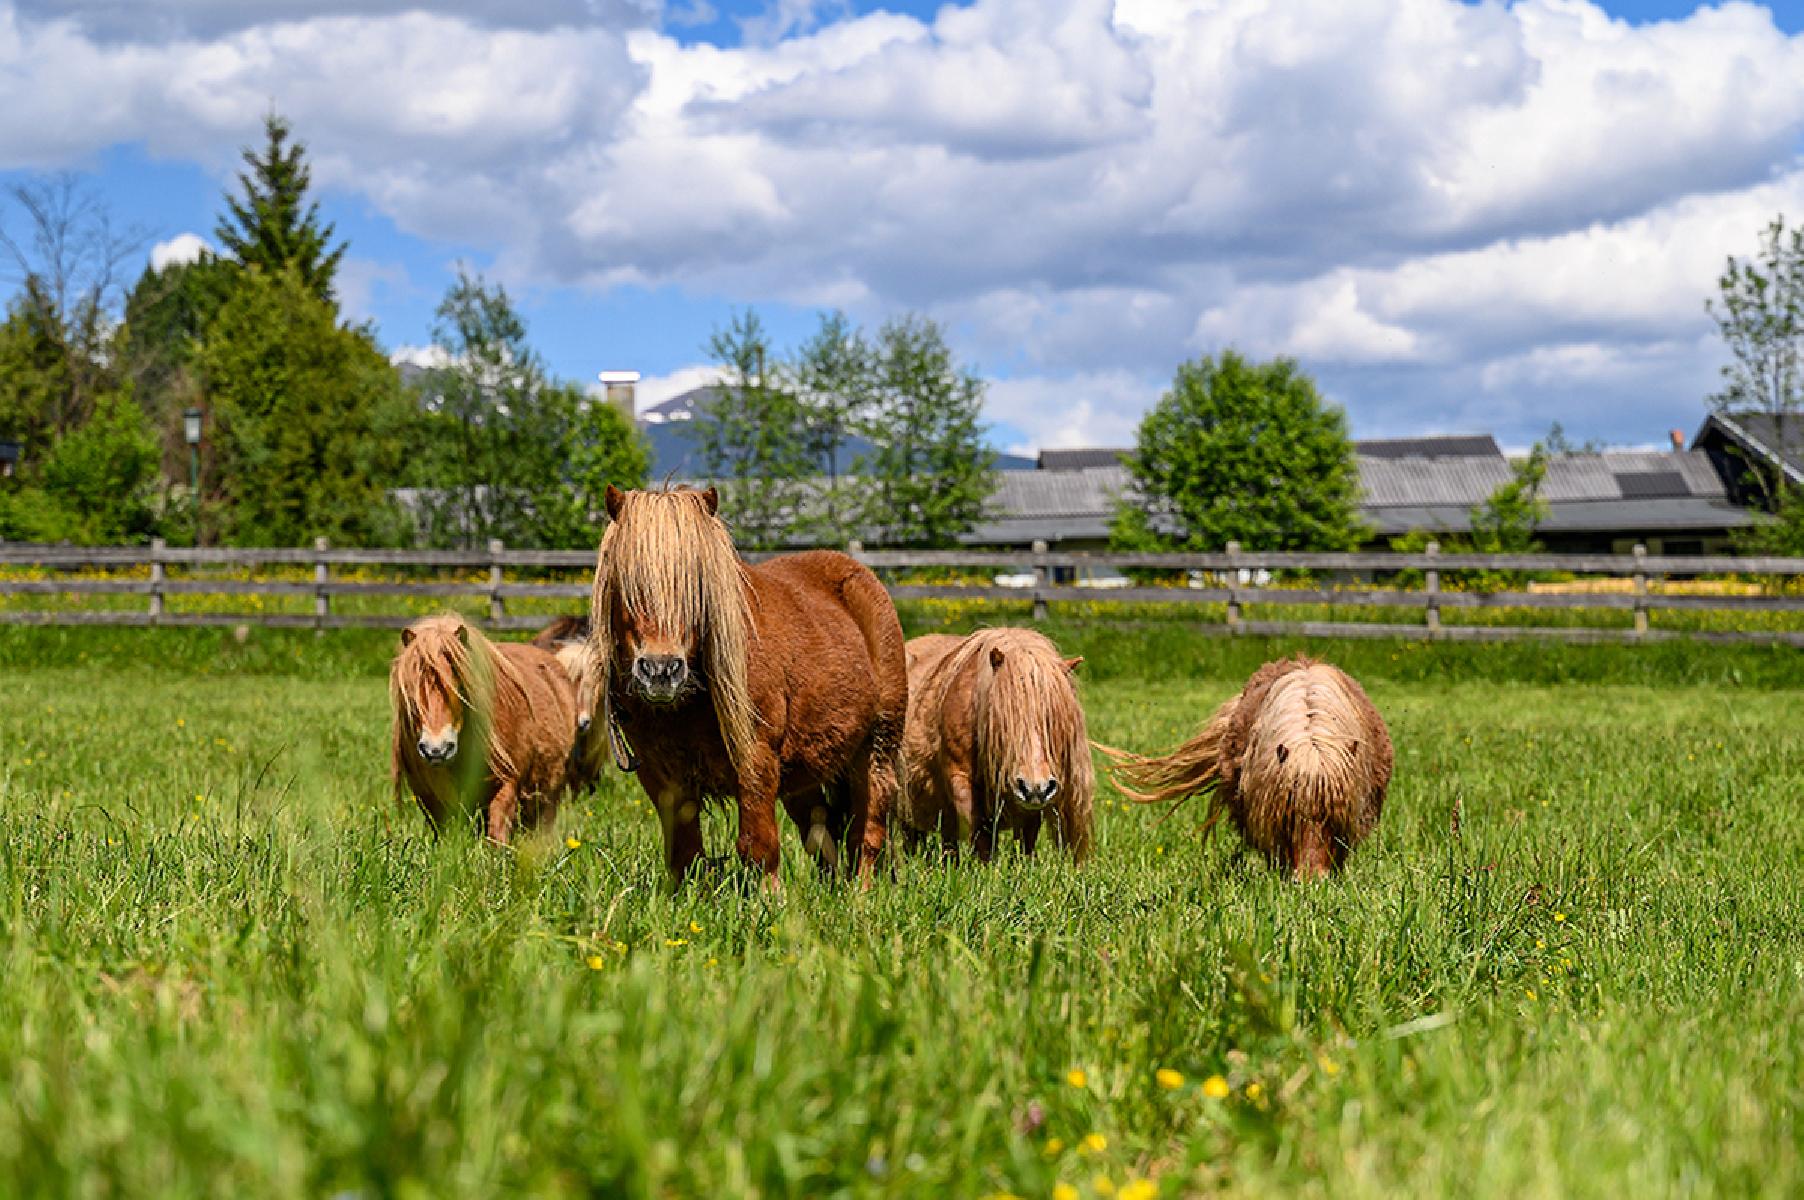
x=1234 y=579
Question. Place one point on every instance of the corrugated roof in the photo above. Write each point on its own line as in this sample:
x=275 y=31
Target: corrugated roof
x=1080 y=460
x=1475 y=445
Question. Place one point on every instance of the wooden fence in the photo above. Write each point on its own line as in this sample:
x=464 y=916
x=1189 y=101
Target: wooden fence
x=1233 y=579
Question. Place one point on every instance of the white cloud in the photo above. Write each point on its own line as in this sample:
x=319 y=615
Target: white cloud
x=1413 y=196
x=428 y=358
x=1099 y=408
x=182 y=248
x=652 y=390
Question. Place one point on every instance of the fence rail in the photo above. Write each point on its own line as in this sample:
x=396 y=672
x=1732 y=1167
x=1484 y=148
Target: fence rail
x=1233 y=579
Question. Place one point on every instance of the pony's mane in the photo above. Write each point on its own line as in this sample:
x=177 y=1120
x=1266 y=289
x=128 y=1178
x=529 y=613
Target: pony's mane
x=666 y=558
x=1303 y=741
x=468 y=666
x=1030 y=693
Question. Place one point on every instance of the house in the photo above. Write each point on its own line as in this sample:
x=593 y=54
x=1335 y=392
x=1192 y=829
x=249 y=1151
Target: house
x=1675 y=502
x=1737 y=441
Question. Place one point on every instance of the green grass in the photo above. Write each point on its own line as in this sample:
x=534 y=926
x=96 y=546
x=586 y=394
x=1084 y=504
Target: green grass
x=232 y=967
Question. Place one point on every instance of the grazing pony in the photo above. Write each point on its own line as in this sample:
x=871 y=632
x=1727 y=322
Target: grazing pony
x=1299 y=760
x=568 y=638
x=715 y=679
x=479 y=724
x=995 y=741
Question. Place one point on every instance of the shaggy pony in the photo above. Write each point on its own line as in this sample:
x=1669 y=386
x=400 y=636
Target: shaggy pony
x=1299 y=760
x=783 y=680
x=568 y=639
x=479 y=725
x=995 y=741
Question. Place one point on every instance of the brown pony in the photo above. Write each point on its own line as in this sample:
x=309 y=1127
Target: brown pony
x=568 y=638
x=1300 y=760
x=995 y=741
x=781 y=680
x=479 y=723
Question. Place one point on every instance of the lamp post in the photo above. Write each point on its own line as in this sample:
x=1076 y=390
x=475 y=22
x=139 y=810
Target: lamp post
x=191 y=433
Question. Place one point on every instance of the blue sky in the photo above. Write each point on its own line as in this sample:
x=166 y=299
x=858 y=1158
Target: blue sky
x=1477 y=218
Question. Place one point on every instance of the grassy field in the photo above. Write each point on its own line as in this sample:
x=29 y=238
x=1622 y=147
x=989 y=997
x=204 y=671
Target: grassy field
x=1571 y=962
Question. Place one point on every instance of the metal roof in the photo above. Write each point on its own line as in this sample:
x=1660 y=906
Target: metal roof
x=1476 y=445
x=1081 y=460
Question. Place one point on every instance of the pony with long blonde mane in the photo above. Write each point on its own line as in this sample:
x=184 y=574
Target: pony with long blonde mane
x=567 y=638
x=996 y=741
x=1299 y=760
x=715 y=679
x=479 y=725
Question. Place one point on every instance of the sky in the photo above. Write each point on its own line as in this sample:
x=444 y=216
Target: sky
x=1459 y=217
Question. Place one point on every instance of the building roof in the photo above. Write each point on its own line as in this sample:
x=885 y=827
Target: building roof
x=1476 y=445
x=1757 y=435
x=1080 y=460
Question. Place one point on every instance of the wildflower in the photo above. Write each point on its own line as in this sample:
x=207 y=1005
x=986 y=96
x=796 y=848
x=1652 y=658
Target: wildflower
x=1063 y=1191
x=573 y=842
x=1103 y=1185
x=1054 y=1145
x=1215 y=1087
x=676 y=941
x=181 y=723
x=1328 y=1066
x=1138 y=1189
x=1559 y=917
x=596 y=962
x=1540 y=945
x=694 y=928
x=1095 y=1143
x=1076 y=1077
x=1168 y=1079
x=1254 y=1090
x=1530 y=992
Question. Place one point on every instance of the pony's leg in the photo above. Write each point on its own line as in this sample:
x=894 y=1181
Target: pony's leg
x=1029 y=832
x=875 y=779
x=950 y=835
x=503 y=809
x=680 y=816
x=757 y=842
x=956 y=820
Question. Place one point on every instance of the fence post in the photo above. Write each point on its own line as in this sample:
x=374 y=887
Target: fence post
x=1039 y=580
x=855 y=548
x=1432 y=585
x=1640 y=590
x=156 y=581
x=1233 y=589
x=497 y=606
x=322 y=575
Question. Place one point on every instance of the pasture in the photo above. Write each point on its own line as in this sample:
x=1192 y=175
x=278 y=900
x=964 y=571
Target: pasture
x=1570 y=961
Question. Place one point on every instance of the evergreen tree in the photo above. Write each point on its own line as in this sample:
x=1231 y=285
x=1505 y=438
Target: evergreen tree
x=273 y=226
x=167 y=314
x=1244 y=452
x=513 y=454
x=308 y=420
x=930 y=470
x=751 y=438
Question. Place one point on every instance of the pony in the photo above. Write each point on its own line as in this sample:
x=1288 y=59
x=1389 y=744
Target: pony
x=995 y=740
x=479 y=724
x=1299 y=760
x=567 y=638
x=716 y=679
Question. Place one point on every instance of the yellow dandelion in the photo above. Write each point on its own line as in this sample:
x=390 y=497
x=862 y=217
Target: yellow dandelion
x=1063 y=1191
x=1139 y=1189
x=596 y=962
x=1095 y=1143
x=1054 y=1145
x=1328 y=1066
x=694 y=928
x=1102 y=1185
x=676 y=941
x=1540 y=945
x=1559 y=917
x=573 y=842
x=1215 y=1087
x=1254 y=1090
x=181 y=723
x=1076 y=1077
x=1169 y=1079
x=1530 y=993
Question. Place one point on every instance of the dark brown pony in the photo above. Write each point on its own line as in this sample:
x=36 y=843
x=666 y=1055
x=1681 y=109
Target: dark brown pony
x=784 y=680
x=479 y=725
x=1299 y=760
x=995 y=741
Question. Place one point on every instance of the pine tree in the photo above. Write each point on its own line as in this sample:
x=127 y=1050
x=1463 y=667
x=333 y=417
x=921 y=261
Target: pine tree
x=274 y=226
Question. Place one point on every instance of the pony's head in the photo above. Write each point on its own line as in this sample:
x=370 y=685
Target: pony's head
x=442 y=686
x=669 y=613
x=1030 y=735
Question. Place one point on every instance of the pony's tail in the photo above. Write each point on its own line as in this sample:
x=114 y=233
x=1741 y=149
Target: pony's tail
x=1192 y=769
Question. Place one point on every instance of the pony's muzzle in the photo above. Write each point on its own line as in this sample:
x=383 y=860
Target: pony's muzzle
x=438 y=750
x=660 y=677
x=1035 y=795
x=583 y=721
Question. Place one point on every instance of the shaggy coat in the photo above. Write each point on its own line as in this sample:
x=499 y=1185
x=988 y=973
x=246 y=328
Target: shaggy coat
x=1299 y=760
x=568 y=638
x=479 y=724
x=782 y=680
x=995 y=741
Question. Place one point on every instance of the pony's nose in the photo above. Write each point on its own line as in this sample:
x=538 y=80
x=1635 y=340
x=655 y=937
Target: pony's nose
x=438 y=751
x=659 y=670
x=1036 y=793
x=582 y=723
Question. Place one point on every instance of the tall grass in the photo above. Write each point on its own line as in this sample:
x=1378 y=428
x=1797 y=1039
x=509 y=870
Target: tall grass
x=1571 y=962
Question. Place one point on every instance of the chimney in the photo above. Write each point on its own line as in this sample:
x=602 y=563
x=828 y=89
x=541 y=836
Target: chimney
x=620 y=386
x=1678 y=439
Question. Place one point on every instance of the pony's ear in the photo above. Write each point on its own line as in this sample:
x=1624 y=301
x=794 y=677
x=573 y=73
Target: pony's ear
x=407 y=636
x=615 y=498
x=463 y=633
x=1072 y=664
x=711 y=500
x=995 y=657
